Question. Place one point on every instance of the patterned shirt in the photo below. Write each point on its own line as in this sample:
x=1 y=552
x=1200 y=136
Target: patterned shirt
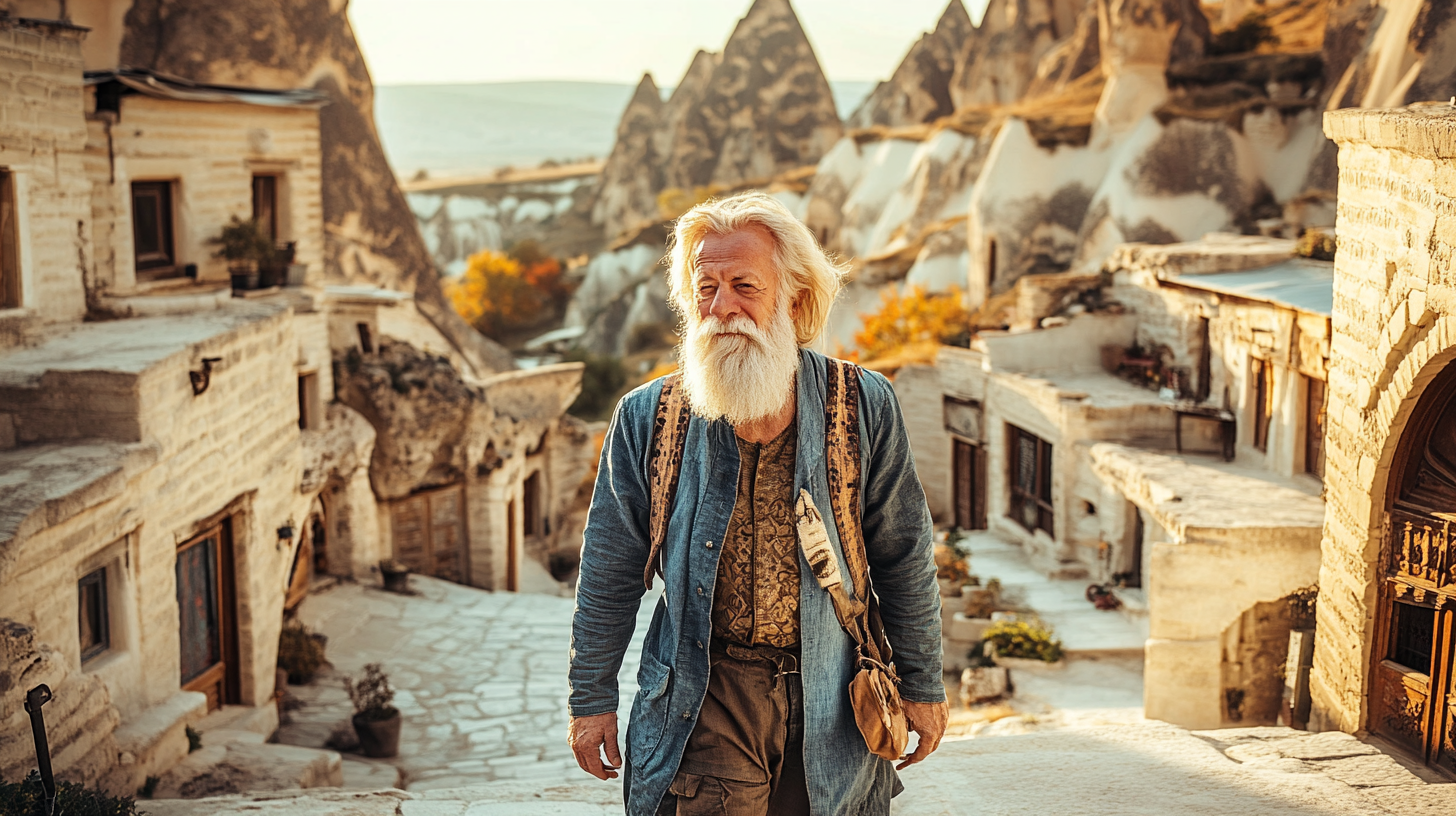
x=757 y=596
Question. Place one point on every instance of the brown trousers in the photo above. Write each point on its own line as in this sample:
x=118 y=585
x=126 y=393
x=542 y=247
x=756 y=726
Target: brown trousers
x=745 y=757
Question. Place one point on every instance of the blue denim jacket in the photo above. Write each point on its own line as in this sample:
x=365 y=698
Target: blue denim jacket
x=843 y=777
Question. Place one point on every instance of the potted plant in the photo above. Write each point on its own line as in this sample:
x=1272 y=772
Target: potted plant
x=300 y=653
x=1027 y=644
x=376 y=720
x=396 y=576
x=247 y=249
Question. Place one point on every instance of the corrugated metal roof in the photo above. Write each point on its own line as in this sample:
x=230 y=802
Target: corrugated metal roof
x=1297 y=283
x=165 y=86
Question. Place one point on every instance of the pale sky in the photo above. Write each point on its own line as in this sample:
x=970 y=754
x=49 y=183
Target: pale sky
x=449 y=41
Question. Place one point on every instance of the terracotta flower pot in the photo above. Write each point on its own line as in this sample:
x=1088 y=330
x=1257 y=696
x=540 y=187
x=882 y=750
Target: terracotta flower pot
x=378 y=738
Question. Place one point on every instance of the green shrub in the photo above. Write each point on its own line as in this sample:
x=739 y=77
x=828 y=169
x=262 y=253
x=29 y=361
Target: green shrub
x=1029 y=639
x=372 y=696
x=299 y=653
x=27 y=797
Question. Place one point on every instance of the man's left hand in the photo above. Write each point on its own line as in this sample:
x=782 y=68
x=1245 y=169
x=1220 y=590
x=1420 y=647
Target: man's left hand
x=928 y=720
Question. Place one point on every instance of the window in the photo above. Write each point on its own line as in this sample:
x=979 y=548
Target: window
x=308 y=402
x=151 y=227
x=531 y=504
x=1263 y=385
x=1412 y=633
x=265 y=204
x=1030 y=478
x=92 y=612
x=366 y=340
x=1314 y=426
x=9 y=243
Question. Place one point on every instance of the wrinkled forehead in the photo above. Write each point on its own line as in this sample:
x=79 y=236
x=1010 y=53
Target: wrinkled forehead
x=746 y=251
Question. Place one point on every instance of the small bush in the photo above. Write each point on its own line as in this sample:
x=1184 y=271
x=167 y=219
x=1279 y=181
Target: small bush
x=27 y=797
x=1317 y=244
x=373 y=697
x=1029 y=639
x=299 y=653
x=951 y=564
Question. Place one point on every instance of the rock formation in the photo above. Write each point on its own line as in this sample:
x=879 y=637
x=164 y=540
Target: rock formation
x=632 y=177
x=760 y=108
x=1072 y=58
x=1001 y=59
x=919 y=90
x=371 y=235
x=768 y=107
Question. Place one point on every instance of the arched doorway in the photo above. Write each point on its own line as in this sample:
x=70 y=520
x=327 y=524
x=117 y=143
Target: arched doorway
x=1412 y=697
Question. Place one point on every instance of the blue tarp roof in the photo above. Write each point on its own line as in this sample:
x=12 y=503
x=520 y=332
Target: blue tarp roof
x=1298 y=283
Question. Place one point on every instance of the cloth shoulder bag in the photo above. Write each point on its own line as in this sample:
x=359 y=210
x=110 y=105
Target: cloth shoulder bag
x=874 y=692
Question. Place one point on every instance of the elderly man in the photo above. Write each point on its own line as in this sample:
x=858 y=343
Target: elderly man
x=742 y=704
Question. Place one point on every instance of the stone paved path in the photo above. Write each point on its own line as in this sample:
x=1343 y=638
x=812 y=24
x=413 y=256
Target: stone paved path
x=481 y=678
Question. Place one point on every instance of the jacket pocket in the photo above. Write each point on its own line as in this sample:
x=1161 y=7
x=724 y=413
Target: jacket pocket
x=650 y=709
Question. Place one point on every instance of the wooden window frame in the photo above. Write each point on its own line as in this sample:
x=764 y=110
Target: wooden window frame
x=10 y=273
x=267 y=185
x=224 y=674
x=1041 y=495
x=162 y=264
x=95 y=579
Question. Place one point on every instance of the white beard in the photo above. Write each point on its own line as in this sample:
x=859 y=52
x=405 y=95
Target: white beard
x=740 y=379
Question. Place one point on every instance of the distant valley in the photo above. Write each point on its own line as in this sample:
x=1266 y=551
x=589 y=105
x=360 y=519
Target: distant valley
x=460 y=129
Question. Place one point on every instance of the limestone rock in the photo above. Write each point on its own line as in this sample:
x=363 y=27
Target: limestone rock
x=767 y=107
x=686 y=97
x=632 y=176
x=371 y=237
x=1071 y=58
x=1000 y=61
x=1150 y=32
x=919 y=90
x=421 y=409
x=981 y=684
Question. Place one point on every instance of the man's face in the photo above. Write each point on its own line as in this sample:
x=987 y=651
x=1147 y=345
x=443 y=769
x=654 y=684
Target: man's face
x=735 y=275
x=739 y=357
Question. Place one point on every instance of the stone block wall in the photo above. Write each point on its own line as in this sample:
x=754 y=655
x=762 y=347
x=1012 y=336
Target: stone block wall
x=921 y=399
x=210 y=152
x=1394 y=329
x=233 y=450
x=80 y=719
x=42 y=134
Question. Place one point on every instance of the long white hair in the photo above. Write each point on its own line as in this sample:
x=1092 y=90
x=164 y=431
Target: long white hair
x=810 y=277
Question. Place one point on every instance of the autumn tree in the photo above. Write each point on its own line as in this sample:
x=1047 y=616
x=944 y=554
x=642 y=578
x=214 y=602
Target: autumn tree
x=505 y=295
x=919 y=318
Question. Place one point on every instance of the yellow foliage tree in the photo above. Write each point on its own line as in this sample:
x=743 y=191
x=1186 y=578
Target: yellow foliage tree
x=919 y=317
x=500 y=294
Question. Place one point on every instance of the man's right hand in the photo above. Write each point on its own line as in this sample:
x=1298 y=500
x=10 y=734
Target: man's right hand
x=588 y=736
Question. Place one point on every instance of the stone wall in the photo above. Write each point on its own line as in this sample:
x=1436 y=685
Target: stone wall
x=80 y=718
x=210 y=152
x=40 y=145
x=1394 y=327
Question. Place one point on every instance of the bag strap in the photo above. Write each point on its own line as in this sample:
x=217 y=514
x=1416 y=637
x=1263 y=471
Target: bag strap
x=842 y=448
x=669 y=438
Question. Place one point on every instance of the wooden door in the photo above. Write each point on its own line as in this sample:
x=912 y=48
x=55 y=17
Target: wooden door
x=969 y=485
x=429 y=533
x=207 y=623
x=301 y=574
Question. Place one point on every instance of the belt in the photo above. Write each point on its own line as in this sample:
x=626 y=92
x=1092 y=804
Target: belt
x=784 y=661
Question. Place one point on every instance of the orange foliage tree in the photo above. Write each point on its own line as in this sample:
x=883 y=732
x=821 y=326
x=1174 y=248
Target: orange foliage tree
x=919 y=317
x=502 y=294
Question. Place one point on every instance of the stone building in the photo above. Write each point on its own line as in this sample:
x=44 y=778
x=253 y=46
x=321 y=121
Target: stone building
x=175 y=459
x=1384 y=642
x=1155 y=428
